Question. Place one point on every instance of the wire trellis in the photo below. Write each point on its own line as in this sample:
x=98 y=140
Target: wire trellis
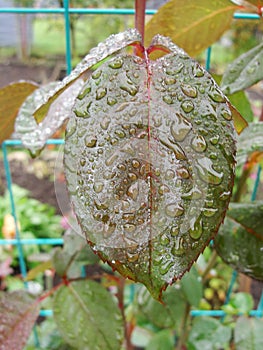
x=8 y=145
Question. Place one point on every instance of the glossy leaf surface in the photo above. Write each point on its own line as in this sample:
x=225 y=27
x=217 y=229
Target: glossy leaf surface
x=192 y=25
x=149 y=161
x=91 y=319
x=248 y=334
x=33 y=135
x=18 y=315
x=103 y=50
x=239 y=241
x=11 y=98
x=244 y=72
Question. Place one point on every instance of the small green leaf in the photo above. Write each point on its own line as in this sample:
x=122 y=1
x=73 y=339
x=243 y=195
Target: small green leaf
x=91 y=319
x=192 y=25
x=11 y=98
x=162 y=340
x=239 y=303
x=247 y=145
x=19 y=312
x=166 y=315
x=208 y=333
x=248 y=334
x=192 y=287
x=242 y=104
x=239 y=241
x=37 y=270
x=244 y=72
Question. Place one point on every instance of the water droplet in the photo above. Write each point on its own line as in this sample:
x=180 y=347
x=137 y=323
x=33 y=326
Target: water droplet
x=207 y=173
x=169 y=174
x=100 y=93
x=178 y=248
x=128 y=216
x=226 y=115
x=197 y=228
x=194 y=193
x=96 y=74
x=180 y=127
x=183 y=173
x=197 y=71
x=133 y=191
x=163 y=189
x=198 y=143
x=120 y=133
x=121 y=166
x=116 y=63
x=214 y=139
x=187 y=106
x=174 y=231
x=131 y=89
x=98 y=186
x=85 y=91
x=132 y=176
x=189 y=90
x=111 y=101
x=105 y=123
x=168 y=99
x=171 y=70
x=216 y=95
x=132 y=257
x=129 y=227
x=135 y=163
x=164 y=240
x=169 y=81
x=81 y=113
x=90 y=141
x=109 y=161
x=225 y=195
x=173 y=210
x=166 y=267
x=208 y=212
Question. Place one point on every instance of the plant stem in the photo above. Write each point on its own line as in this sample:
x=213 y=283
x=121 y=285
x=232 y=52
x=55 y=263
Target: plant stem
x=140 y=6
x=184 y=328
x=120 y=297
x=209 y=265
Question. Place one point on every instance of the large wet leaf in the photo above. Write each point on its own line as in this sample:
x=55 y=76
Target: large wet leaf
x=110 y=46
x=192 y=25
x=18 y=314
x=244 y=72
x=239 y=241
x=91 y=319
x=250 y=142
x=11 y=98
x=33 y=135
x=149 y=160
x=248 y=334
x=208 y=333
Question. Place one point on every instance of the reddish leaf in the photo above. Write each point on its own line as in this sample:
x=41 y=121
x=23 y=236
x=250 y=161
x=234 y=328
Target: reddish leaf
x=193 y=25
x=149 y=160
x=18 y=315
x=11 y=98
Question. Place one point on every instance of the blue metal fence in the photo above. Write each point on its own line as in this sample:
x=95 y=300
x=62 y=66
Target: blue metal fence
x=8 y=145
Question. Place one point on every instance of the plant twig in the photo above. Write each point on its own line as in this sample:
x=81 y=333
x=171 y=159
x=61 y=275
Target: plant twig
x=140 y=6
x=184 y=328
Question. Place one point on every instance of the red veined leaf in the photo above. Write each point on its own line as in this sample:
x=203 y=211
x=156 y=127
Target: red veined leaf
x=149 y=160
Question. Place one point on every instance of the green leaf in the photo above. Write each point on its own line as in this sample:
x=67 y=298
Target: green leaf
x=239 y=241
x=161 y=340
x=191 y=284
x=37 y=270
x=244 y=72
x=11 y=98
x=103 y=50
x=33 y=135
x=248 y=334
x=239 y=303
x=250 y=141
x=242 y=104
x=75 y=253
x=192 y=25
x=166 y=315
x=208 y=333
x=19 y=312
x=88 y=316
x=149 y=145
